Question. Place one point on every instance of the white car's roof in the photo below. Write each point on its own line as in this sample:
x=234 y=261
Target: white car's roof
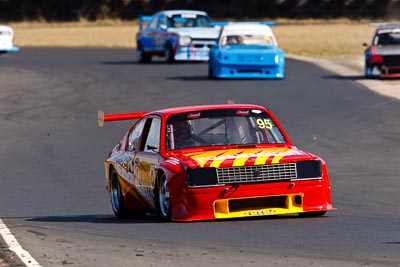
x=5 y=29
x=247 y=28
x=182 y=11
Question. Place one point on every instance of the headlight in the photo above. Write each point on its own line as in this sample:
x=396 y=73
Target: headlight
x=276 y=59
x=184 y=40
x=202 y=177
x=309 y=169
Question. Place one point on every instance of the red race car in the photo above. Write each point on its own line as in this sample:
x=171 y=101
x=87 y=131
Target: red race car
x=212 y=162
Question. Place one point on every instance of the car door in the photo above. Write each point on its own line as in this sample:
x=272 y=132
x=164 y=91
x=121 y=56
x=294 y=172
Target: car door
x=148 y=36
x=161 y=34
x=127 y=159
x=147 y=157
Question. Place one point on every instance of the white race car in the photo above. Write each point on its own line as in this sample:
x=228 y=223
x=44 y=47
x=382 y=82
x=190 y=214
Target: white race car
x=177 y=35
x=6 y=40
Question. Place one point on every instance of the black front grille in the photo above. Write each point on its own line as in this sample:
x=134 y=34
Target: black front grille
x=394 y=70
x=257 y=174
x=204 y=40
x=257 y=203
x=249 y=71
x=391 y=60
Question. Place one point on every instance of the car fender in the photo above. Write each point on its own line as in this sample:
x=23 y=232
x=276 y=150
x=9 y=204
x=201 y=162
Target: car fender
x=173 y=39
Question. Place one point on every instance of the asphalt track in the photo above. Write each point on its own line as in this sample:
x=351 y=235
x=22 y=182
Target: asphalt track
x=52 y=194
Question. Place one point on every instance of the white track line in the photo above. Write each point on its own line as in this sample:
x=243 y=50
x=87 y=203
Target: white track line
x=13 y=245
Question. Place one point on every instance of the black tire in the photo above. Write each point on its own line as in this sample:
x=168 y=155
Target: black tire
x=366 y=67
x=210 y=73
x=141 y=56
x=117 y=199
x=162 y=199
x=169 y=53
x=312 y=214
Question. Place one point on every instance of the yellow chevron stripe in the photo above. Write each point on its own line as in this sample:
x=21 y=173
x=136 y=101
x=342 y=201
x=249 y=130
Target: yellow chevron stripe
x=276 y=159
x=260 y=160
x=239 y=162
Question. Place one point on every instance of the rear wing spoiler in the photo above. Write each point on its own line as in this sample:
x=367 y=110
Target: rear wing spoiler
x=101 y=117
x=143 y=20
x=222 y=24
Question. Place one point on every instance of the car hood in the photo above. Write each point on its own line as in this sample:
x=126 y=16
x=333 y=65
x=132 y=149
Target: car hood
x=388 y=50
x=244 y=157
x=197 y=33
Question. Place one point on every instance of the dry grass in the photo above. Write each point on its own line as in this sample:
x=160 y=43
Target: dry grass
x=324 y=40
x=82 y=34
x=318 y=38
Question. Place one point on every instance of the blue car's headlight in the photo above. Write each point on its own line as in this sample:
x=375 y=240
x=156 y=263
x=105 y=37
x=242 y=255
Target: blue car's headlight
x=277 y=59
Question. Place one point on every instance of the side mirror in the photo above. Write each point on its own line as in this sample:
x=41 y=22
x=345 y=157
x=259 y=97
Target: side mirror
x=152 y=147
x=365 y=44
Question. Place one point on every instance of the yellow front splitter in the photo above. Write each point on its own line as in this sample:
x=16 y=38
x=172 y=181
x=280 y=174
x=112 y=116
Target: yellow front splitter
x=258 y=206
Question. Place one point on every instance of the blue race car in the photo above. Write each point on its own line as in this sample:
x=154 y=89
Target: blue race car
x=176 y=35
x=6 y=40
x=247 y=50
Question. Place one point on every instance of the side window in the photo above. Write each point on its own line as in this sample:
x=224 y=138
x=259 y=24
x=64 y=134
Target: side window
x=153 y=138
x=162 y=22
x=153 y=23
x=134 y=136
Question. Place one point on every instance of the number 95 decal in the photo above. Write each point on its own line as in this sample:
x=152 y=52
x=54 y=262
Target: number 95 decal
x=264 y=124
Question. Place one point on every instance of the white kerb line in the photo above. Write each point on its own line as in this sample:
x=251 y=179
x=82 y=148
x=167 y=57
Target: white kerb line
x=13 y=245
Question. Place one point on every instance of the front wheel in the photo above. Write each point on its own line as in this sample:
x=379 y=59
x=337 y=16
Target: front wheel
x=169 y=53
x=163 y=203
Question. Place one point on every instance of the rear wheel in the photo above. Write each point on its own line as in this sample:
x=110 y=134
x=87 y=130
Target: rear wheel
x=141 y=56
x=163 y=204
x=117 y=199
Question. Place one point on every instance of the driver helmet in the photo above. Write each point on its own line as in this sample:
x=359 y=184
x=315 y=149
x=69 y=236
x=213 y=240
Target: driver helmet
x=182 y=132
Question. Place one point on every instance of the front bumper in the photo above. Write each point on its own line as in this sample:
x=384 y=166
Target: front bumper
x=9 y=49
x=388 y=68
x=251 y=200
x=191 y=53
x=249 y=71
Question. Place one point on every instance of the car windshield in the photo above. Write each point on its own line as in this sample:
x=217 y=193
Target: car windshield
x=247 y=39
x=188 y=20
x=387 y=37
x=221 y=127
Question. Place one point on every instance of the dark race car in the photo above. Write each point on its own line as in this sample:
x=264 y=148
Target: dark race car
x=382 y=56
